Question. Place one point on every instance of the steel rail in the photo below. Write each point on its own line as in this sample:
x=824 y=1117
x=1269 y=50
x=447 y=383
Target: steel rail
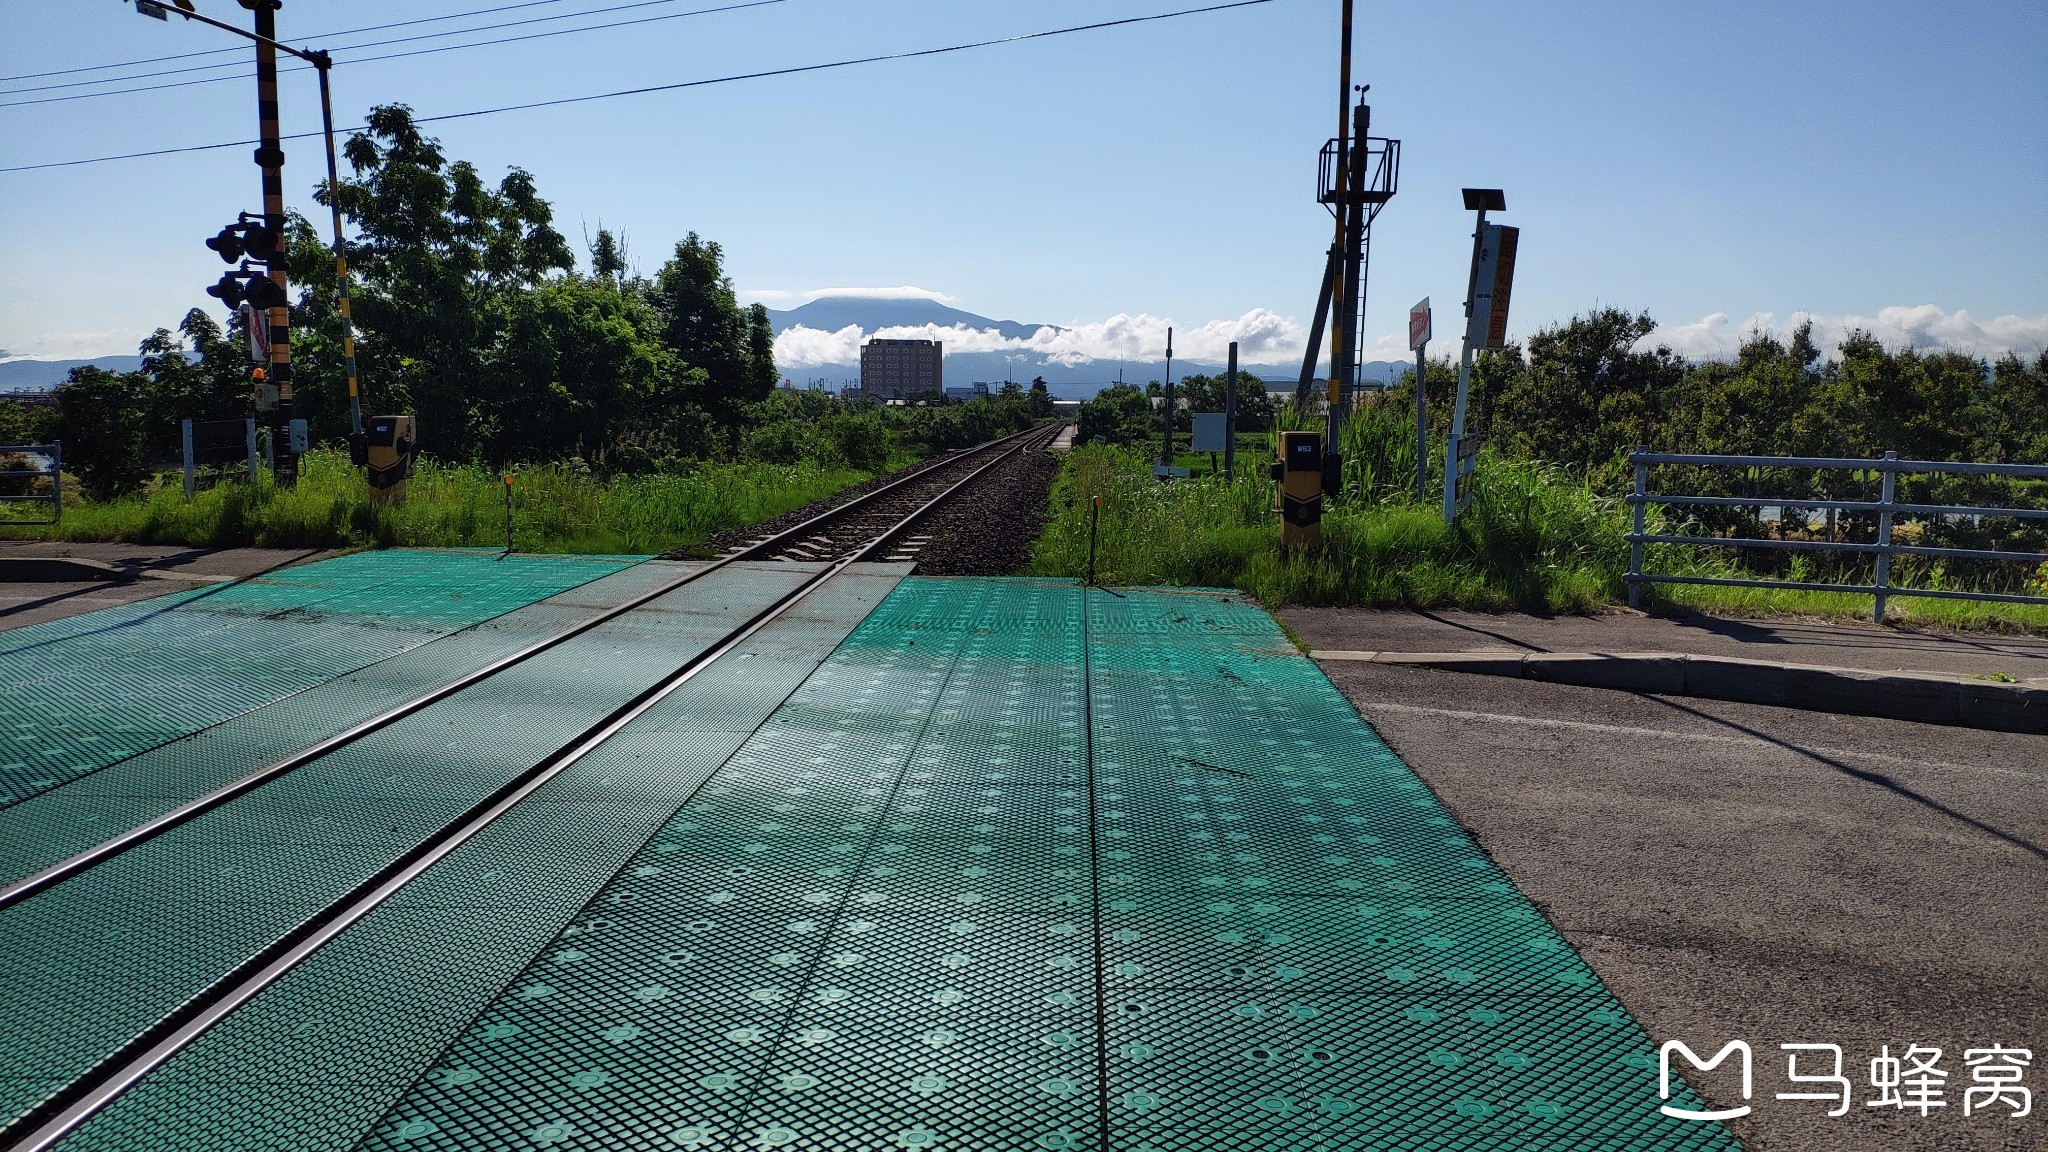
x=18 y=890
x=780 y=543
x=44 y=1127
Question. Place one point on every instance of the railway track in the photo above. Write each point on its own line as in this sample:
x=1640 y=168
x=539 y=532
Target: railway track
x=888 y=514
x=877 y=526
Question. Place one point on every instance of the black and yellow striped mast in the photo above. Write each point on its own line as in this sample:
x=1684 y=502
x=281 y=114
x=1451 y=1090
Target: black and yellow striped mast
x=270 y=158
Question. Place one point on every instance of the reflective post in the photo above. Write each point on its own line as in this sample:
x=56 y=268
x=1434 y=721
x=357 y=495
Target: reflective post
x=1094 y=514
x=1421 y=424
x=1638 y=516
x=1886 y=490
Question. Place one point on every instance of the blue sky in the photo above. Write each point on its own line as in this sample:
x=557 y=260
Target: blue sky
x=1734 y=160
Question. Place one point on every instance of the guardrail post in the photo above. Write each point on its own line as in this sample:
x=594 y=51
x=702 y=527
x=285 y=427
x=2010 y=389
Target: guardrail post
x=185 y=432
x=249 y=430
x=1884 y=533
x=1639 y=502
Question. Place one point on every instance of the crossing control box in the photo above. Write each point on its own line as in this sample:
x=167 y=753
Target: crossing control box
x=389 y=447
x=1299 y=476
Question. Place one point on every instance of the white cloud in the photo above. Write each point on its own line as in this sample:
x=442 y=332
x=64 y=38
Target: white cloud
x=801 y=347
x=783 y=298
x=74 y=345
x=1263 y=337
x=1925 y=327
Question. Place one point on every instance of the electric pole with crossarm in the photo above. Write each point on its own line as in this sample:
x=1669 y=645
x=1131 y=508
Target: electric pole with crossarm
x=265 y=240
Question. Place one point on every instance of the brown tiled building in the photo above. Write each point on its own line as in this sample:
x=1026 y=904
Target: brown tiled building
x=900 y=369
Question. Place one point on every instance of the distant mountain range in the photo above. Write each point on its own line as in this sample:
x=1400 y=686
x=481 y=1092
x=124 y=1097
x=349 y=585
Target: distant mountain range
x=1069 y=381
x=869 y=314
x=43 y=375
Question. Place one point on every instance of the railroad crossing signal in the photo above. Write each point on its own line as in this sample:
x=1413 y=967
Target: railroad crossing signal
x=248 y=238
x=1486 y=326
x=246 y=283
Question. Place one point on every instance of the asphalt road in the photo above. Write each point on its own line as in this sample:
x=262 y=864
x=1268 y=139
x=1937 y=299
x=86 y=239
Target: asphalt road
x=1777 y=876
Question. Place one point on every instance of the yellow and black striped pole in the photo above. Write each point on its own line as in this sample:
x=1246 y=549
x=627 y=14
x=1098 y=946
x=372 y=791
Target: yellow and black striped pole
x=270 y=157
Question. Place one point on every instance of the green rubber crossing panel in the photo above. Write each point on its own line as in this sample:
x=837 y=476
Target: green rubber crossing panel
x=81 y=693
x=911 y=913
x=312 y=1063
x=71 y=818
x=94 y=961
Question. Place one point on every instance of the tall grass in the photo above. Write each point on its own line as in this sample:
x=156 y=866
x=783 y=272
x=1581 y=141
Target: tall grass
x=1532 y=539
x=556 y=508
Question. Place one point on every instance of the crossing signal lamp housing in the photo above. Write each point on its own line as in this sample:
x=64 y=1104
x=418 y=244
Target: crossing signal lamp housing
x=248 y=284
x=247 y=238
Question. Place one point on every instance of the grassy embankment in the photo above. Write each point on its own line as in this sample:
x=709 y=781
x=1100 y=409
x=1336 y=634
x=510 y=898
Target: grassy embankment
x=555 y=509
x=1533 y=540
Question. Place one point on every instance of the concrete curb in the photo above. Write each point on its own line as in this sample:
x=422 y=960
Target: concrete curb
x=1926 y=697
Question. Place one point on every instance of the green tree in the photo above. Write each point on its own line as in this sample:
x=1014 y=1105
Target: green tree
x=2012 y=418
x=1587 y=393
x=22 y=423
x=209 y=382
x=579 y=372
x=439 y=258
x=608 y=258
x=1120 y=414
x=703 y=325
x=1208 y=393
x=1041 y=399
x=100 y=421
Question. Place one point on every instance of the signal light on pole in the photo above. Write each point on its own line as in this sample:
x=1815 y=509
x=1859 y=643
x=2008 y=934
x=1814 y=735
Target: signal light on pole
x=228 y=242
x=247 y=238
x=245 y=283
x=228 y=289
x=263 y=293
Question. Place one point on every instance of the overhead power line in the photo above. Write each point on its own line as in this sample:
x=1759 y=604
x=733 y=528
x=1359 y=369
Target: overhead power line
x=679 y=85
x=321 y=36
x=236 y=64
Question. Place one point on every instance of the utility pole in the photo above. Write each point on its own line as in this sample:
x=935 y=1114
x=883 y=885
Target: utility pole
x=323 y=62
x=1230 y=413
x=1166 y=453
x=1340 y=300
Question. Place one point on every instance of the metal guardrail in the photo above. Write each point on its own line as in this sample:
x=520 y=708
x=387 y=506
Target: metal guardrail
x=54 y=453
x=1889 y=468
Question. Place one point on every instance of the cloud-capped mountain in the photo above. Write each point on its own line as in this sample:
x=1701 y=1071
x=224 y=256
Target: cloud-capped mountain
x=831 y=313
x=820 y=341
